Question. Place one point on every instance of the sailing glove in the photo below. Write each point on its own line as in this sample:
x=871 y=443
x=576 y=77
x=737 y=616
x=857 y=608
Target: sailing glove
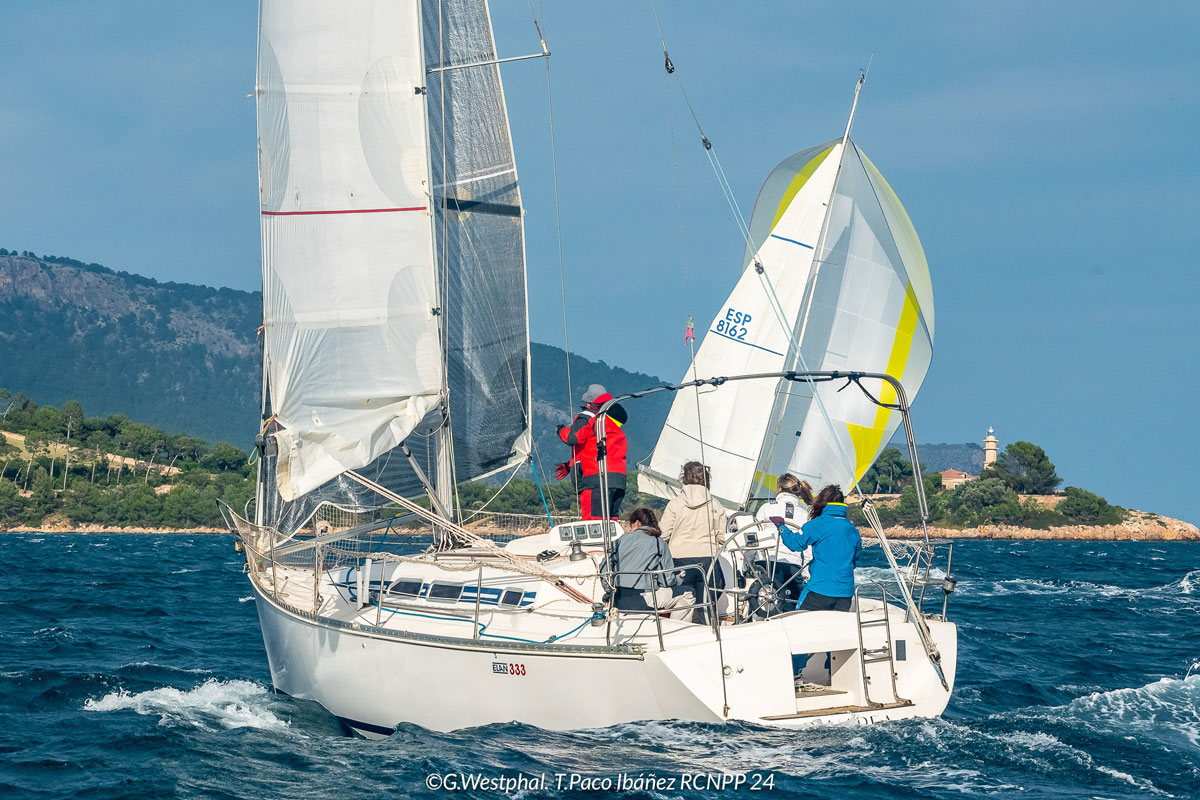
x=561 y=470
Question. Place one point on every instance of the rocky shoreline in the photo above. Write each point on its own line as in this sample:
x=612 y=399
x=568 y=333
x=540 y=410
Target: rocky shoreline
x=1140 y=527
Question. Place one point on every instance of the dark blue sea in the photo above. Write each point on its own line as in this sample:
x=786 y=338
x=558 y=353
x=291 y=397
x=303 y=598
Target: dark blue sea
x=131 y=666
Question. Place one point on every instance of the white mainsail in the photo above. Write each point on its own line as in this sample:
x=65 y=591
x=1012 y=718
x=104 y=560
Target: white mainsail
x=864 y=303
x=393 y=250
x=351 y=339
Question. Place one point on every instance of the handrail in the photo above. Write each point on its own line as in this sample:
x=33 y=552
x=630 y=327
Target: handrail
x=709 y=603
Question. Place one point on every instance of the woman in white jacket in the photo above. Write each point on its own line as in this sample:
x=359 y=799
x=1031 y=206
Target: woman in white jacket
x=694 y=525
x=792 y=501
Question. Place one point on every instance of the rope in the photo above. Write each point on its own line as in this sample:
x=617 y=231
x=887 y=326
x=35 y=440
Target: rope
x=562 y=279
x=496 y=494
x=467 y=536
x=543 y=494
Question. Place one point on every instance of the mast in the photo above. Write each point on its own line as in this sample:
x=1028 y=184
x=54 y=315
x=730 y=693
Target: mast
x=779 y=409
x=259 y=473
x=443 y=478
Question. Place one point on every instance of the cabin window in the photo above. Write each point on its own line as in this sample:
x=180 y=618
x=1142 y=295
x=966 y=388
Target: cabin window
x=512 y=597
x=408 y=588
x=445 y=591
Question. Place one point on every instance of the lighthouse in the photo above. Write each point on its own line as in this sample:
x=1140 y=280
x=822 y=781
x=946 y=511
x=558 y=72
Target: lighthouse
x=989 y=447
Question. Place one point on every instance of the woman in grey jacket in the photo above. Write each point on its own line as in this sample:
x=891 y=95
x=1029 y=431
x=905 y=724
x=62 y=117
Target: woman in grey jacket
x=694 y=525
x=637 y=560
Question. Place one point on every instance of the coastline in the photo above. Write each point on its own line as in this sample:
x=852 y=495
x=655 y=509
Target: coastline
x=1141 y=527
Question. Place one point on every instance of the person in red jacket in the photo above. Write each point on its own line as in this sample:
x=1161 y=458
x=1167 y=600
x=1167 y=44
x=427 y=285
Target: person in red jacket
x=581 y=437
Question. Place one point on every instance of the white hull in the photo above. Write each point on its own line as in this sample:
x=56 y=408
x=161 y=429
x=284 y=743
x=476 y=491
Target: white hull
x=373 y=678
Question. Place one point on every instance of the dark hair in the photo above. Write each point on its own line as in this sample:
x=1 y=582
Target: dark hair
x=830 y=494
x=646 y=519
x=789 y=483
x=696 y=474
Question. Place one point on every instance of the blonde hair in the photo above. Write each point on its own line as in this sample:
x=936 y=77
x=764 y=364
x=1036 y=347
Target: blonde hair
x=792 y=485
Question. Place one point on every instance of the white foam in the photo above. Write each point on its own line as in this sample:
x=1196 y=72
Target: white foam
x=246 y=599
x=214 y=703
x=1167 y=710
x=192 y=670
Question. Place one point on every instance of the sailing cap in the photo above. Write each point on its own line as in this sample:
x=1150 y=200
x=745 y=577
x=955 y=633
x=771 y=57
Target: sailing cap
x=593 y=393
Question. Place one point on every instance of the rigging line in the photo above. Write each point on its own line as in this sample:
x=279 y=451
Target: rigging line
x=476 y=512
x=537 y=468
x=670 y=68
x=562 y=280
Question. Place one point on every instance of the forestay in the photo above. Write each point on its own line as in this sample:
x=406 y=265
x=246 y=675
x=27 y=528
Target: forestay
x=351 y=339
x=864 y=303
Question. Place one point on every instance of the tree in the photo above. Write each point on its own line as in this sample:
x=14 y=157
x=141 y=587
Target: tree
x=224 y=456
x=35 y=446
x=1083 y=507
x=982 y=501
x=889 y=470
x=97 y=442
x=7 y=452
x=72 y=414
x=41 y=501
x=12 y=505
x=1024 y=467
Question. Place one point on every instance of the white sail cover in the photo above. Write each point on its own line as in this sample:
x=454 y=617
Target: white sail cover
x=352 y=349
x=865 y=304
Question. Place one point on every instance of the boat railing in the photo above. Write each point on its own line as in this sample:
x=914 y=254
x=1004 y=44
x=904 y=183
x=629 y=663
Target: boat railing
x=708 y=603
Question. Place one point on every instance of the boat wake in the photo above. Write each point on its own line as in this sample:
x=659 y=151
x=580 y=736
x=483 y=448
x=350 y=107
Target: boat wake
x=212 y=704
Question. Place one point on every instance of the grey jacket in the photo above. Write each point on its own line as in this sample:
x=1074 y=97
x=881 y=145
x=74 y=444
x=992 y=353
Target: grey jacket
x=634 y=553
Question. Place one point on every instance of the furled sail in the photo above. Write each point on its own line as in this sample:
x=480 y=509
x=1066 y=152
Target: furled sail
x=855 y=295
x=393 y=254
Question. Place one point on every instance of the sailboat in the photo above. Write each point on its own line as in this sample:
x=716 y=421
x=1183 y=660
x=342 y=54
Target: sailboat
x=396 y=365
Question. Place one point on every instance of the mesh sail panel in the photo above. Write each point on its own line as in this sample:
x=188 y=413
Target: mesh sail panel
x=479 y=235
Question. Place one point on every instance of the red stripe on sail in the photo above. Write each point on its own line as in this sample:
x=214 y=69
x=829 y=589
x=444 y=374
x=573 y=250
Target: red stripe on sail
x=342 y=211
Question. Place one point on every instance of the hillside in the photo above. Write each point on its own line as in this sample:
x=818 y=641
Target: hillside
x=185 y=357
x=179 y=356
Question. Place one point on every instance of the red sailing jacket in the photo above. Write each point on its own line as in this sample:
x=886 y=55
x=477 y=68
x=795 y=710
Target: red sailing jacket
x=581 y=436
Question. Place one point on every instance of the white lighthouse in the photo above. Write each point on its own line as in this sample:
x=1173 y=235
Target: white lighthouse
x=989 y=447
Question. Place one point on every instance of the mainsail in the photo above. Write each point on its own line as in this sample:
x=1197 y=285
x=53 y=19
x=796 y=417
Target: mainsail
x=393 y=251
x=834 y=279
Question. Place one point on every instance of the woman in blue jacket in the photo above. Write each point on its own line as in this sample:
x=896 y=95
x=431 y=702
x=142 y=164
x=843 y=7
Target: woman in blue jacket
x=836 y=544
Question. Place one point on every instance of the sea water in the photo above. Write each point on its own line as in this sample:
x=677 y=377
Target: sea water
x=133 y=667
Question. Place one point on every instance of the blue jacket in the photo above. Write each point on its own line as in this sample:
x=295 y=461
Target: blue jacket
x=836 y=544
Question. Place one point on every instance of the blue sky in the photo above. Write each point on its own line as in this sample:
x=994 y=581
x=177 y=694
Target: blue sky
x=1047 y=154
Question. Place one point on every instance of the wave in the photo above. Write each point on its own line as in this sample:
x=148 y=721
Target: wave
x=214 y=703
x=1180 y=590
x=1167 y=710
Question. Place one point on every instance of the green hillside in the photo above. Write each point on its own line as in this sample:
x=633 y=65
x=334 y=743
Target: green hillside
x=186 y=358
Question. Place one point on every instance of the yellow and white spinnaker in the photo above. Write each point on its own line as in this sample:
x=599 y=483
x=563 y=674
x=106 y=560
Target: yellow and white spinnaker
x=834 y=279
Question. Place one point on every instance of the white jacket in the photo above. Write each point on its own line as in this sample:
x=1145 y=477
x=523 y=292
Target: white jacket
x=693 y=523
x=795 y=514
